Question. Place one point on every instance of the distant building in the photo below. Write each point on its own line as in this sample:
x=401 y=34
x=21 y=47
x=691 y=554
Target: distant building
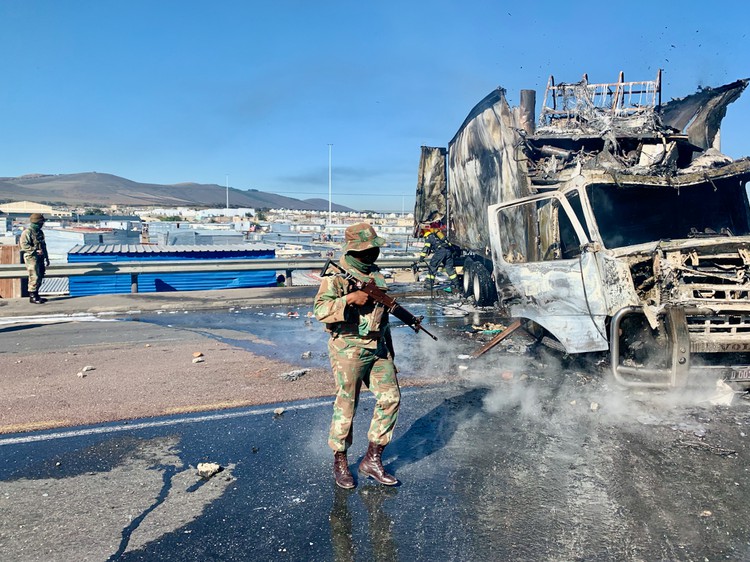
x=122 y=222
x=240 y=212
x=61 y=240
x=26 y=208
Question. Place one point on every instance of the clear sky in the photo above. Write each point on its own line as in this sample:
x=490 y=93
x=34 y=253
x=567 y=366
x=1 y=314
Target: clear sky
x=175 y=91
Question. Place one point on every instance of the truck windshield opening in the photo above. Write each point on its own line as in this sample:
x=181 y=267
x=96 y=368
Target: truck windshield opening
x=631 y=215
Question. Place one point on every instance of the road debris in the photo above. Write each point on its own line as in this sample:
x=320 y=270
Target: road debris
x=702 y=446
x=208 y=469
x=724 y=395
x=278 y=412
x=306 y=355
x=197 y=354
x=198 y=360
x=87 y=368
x=294 y=375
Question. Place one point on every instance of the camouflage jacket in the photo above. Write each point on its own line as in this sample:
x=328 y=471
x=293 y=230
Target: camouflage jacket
x=31 y=241
x=367 y=323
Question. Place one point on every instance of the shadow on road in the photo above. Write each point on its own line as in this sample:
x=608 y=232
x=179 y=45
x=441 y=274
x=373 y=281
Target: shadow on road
x=9 y=329
x=434 y=430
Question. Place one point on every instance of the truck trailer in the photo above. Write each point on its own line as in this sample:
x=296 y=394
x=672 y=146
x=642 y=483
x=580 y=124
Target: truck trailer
x=610 y=223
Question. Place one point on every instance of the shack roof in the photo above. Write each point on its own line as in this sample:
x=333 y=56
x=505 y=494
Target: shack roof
x=155 y=249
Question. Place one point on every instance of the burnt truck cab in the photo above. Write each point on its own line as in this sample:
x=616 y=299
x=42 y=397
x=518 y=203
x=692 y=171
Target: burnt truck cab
x=617 y=226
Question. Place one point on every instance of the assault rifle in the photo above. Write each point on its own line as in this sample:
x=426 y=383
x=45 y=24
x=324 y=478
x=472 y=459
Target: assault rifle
x=376 y=294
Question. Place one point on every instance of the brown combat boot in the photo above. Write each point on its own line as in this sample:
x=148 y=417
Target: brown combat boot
x=341 y=474
x=372 y=466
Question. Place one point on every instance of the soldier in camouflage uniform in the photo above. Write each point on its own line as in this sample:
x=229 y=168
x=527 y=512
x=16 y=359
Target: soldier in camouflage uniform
x=35 y=255
x=361 y=352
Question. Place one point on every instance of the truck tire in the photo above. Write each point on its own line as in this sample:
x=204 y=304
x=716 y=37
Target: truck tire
x=468 y=284
x=482 y=285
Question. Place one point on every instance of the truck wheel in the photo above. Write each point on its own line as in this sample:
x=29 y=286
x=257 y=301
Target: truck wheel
x=484 y=288
x=468 y=284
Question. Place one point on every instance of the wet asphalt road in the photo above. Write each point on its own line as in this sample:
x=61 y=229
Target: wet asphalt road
x=501 y=470
x=527 y=458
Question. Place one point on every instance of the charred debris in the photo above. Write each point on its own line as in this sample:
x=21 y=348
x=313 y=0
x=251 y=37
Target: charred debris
x=612 y=222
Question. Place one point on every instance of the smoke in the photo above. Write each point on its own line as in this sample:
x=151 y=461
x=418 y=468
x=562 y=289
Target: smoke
x=570 y=392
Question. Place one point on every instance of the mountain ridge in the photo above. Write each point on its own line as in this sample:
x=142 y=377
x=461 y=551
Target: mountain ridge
x=97 y=189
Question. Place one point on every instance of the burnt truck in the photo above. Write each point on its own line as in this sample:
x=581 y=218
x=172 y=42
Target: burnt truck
x=612 y=223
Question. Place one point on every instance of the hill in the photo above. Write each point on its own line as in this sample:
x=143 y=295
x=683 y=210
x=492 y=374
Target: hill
x=95 y=189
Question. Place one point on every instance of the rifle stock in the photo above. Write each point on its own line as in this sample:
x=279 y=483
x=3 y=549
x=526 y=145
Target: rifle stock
x=376 y=294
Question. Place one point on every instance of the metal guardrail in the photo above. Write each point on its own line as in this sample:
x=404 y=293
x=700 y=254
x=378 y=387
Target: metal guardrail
x=18 y=271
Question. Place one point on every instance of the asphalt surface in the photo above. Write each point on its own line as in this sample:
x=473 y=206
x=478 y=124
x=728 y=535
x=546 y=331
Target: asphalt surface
x=522 y=457
x=498 y=471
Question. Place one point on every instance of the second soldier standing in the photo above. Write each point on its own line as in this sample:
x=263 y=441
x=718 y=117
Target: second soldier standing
x=361 y=352
x=35 y=256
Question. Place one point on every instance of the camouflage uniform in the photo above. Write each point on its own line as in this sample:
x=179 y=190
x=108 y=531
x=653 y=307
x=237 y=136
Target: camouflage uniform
x=360 y=351
x=35 y=255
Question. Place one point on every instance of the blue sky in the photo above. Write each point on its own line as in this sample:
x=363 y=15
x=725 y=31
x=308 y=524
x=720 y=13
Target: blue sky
x=177 y=91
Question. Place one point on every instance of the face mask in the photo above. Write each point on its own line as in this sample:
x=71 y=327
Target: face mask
x=367 y=256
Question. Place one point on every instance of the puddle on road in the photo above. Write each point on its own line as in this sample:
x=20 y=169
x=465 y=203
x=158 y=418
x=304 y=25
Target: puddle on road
x=292 y=335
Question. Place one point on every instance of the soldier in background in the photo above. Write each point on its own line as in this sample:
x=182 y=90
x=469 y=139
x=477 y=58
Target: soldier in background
x=361 y=352
x=35 y=255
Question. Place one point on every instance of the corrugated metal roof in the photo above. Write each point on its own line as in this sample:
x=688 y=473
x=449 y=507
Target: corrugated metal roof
x=54 y=286
x=160 y=249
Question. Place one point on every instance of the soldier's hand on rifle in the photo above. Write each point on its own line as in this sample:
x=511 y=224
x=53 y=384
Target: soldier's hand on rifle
x=357 y=298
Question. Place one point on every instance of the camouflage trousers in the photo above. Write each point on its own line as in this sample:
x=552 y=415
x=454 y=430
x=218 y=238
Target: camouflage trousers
x=354 y=365
x=35 y=268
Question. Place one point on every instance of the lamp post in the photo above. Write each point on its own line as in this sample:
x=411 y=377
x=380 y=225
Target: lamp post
x=330 y=146
x=227 y=193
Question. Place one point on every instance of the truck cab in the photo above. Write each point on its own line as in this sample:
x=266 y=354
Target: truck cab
x=613 y=224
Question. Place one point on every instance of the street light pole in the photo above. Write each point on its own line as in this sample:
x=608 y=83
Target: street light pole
x=227 y=192
x=330 y=146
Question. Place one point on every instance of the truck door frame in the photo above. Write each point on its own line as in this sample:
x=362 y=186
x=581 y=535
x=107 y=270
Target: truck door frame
x=564 y=296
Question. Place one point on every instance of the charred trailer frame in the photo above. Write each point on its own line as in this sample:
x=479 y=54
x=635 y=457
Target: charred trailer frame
x=614 y=225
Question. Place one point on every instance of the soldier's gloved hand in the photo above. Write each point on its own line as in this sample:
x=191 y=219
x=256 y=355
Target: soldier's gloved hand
x=357 y=298
x=46 y=262
x=421 y=258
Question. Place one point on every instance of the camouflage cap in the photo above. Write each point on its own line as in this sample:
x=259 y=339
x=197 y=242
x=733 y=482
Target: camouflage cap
x=361 y=236
x=37 y=218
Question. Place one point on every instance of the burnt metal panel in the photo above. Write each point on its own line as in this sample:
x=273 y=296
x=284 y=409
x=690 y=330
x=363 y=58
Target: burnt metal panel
x=432 y=185
x=484 y=168
x=699 y=115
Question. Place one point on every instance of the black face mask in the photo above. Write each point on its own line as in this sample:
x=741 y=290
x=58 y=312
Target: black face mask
x=367 y=256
